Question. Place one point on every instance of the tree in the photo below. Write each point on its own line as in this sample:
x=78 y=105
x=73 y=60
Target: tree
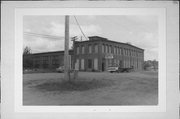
x=27 y=58
x=150 y=63
x=26 y=50
x=146 y=64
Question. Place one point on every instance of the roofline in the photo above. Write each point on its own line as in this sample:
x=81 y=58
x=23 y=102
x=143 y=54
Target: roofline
x=125 y=44
x=98 y=37
x=62 y=51
x=108 y=41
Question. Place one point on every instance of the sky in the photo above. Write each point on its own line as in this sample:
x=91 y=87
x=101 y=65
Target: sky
x=139 y=30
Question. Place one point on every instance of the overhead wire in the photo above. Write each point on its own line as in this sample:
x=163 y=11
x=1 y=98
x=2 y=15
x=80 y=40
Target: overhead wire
x=80 y=28
x=55 y=37
x=43 y=35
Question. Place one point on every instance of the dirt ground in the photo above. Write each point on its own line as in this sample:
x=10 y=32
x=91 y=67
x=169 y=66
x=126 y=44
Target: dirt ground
x=102 y=88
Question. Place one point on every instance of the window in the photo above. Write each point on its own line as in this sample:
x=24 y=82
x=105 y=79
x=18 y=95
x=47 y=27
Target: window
x=103 y=48
x=89 y=63
x=78 y=50
x=90 y=49
x=133 y=53
x=96 y=48
x=130 y=52
x=124 y=51
x=82 y=64
x=37 y=62
x=55 y=61
x=106 y=49
x=109 y=49
x=115 y=50
x=82 y=49
x=115 y=62
x=120 y=51
x=109 y=62
x=95 y=64
x=77 y=64
x=45 y=62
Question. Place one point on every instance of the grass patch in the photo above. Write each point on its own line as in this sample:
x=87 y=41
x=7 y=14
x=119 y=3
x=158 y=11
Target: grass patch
x=80 y=85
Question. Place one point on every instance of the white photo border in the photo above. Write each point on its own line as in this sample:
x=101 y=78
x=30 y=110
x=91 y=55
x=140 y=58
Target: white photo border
x=20 y=12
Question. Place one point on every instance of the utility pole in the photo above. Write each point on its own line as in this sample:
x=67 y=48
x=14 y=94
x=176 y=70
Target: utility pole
x=66 y=51
x=74 y=62
x=74 y=39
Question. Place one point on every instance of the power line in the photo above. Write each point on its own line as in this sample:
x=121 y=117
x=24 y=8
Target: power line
x=54 y=37
x=80 y=28
x=43 y=35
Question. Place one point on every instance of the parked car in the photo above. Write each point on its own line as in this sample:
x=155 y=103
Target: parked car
x=125 y=69
x=112 y=69
x=60 y=69
x=116 y=69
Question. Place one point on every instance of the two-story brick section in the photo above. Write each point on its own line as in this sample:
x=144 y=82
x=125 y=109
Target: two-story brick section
x=95 y=54
x=98 y=53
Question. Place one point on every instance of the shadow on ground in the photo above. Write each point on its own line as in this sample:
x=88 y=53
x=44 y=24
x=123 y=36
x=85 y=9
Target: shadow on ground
x=80 y=85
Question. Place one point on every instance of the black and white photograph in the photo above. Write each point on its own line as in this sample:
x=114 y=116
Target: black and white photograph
x=90 y=57
x=90 y=60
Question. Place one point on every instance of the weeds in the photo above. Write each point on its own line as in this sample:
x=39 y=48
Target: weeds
x=79 y=85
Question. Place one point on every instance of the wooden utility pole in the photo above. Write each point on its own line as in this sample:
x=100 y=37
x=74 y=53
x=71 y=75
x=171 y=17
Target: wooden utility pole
x=73 y=39
x=66 y=51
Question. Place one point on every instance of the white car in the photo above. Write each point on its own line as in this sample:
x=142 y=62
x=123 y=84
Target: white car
x=60 y=69
x=112 y=69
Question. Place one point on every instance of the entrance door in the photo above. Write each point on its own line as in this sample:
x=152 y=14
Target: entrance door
x=89 y=63
x=120 y=64
x=77 y=64
x=82 y=64
x=103 y=66
x=95 y=64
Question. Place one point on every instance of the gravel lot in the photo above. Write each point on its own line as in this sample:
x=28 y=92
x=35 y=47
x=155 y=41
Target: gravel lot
x=135 y=88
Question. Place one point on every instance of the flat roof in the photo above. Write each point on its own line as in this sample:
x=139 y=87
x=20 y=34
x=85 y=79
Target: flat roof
x=106 y=40
x=50 y=52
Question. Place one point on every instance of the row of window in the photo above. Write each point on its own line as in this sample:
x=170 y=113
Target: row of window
x=120 y=51
x=135 y=63
x=114 y=62
x=126 y=63
x=81 y=50
x=109 y=49
x=45 y=60
x=92 y=63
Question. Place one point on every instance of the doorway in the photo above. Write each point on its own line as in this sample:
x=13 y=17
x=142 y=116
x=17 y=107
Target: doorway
x=103 y=66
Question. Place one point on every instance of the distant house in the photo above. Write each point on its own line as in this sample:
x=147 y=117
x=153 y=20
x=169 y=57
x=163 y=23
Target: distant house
x=151 y=65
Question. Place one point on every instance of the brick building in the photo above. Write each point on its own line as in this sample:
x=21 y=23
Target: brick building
x=99 y=53
x=47 y=60
x=95 y=54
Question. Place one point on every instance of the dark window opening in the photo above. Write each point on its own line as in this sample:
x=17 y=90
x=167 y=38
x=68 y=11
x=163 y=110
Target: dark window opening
x=89 y=63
